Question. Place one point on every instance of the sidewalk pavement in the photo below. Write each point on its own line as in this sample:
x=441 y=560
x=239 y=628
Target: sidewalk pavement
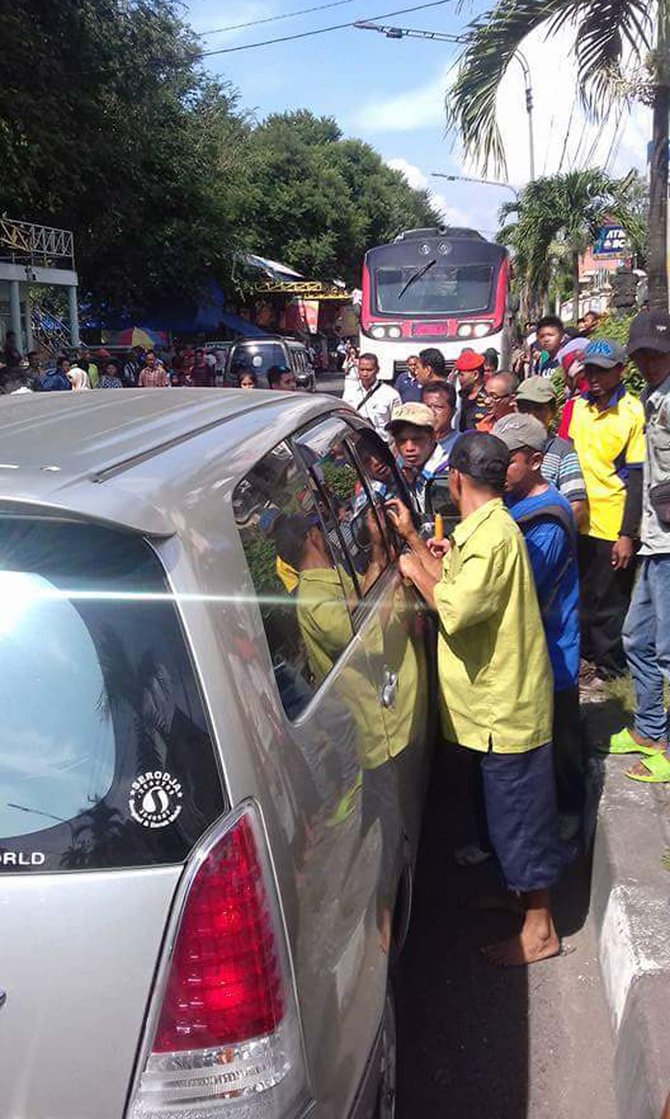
x=630 y=904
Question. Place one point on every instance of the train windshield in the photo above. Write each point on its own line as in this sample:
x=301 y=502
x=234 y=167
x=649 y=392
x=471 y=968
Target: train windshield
x=442 y=289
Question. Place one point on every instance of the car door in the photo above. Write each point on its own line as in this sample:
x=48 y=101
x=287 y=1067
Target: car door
x=308 y=593
x=397 y=630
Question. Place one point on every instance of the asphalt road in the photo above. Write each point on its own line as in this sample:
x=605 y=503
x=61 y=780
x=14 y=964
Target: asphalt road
x=476 y=1042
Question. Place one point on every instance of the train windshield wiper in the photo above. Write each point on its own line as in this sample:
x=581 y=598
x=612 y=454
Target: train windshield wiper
x=415 y=276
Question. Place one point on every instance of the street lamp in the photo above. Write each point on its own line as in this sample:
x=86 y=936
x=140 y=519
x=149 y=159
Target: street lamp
x=468 y=179
x=443 y=37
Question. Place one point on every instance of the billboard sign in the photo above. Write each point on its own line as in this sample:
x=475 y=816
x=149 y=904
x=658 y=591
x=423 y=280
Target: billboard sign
x=610 y=242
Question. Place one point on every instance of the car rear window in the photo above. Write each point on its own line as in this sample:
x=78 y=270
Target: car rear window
x=257 y=356
x=105 y=754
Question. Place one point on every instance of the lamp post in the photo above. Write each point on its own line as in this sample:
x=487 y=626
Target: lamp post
x=469 y=179
x=444 y=37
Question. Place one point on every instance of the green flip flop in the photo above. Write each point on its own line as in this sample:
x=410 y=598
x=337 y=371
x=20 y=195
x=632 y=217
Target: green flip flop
x=658 y=770
x=623 y=743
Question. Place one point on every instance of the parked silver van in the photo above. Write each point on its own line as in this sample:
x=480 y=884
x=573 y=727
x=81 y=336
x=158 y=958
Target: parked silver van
x=260 y=354
x=216 y=714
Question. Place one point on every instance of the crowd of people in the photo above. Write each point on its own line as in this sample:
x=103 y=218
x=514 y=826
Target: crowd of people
x=562 y=486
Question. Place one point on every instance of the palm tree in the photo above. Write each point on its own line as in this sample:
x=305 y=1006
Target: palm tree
x=606 y=34
x=557 y=218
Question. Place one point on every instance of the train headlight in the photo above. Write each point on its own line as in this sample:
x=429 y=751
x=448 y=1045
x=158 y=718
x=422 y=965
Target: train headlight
x=378 y=332
x=394 y=332
x=481 y=328
x=465 y=330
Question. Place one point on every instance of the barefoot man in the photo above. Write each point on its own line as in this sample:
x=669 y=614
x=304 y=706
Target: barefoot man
x=496 y=680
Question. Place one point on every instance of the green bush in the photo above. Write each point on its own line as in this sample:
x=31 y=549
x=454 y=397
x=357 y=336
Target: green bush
x=617 y=327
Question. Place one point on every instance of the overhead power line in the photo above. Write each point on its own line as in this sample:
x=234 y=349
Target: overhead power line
x=273 y=19
x=321 y=30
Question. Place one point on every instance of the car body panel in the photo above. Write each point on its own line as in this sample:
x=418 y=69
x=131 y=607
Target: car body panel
x=176 y=485
x=78 y=956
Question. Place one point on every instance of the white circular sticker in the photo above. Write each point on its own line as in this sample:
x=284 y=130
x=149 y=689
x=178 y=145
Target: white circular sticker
x=155 y=799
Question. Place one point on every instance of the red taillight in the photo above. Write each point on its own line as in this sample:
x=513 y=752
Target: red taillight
x=225 y=981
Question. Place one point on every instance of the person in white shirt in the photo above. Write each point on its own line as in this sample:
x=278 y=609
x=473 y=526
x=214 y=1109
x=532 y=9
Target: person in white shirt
x=372 y=398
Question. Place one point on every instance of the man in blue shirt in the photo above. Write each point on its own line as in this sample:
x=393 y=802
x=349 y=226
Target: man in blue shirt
x=406 y=383
x=545 y=518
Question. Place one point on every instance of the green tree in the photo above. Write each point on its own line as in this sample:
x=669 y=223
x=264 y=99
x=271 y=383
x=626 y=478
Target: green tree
x=318 y=201
x=607 y=35
x=107 y=127
x=556 y=219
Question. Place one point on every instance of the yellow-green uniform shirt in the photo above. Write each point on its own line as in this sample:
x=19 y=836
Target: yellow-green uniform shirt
x=496 y=684
x=326 y=629
x=608 y=444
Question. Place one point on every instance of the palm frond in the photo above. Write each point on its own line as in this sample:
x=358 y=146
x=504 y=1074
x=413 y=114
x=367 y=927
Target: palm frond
x=606 y=30
x=491 y=40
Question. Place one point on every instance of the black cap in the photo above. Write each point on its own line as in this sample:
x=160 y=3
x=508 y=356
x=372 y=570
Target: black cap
x=481 y=456
x=650 y=330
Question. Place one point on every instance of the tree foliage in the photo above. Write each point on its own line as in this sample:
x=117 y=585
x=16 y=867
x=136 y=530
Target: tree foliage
x=110 y=127
x=557 y=217
x=612 y=39
x=318 y=201
x=605 y=31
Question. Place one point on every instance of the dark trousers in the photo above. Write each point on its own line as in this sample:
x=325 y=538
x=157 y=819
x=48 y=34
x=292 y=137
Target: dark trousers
x=568 y=756
x=605 y=596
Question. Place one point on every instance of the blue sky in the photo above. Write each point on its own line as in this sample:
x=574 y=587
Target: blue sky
x=391 y=92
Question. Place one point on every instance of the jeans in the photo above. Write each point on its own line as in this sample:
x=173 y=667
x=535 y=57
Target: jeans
x=646 y=640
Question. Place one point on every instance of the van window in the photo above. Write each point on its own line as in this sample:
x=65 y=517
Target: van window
x=303 y=589
x=258 y=356
x=352 y=519
x=105 y=754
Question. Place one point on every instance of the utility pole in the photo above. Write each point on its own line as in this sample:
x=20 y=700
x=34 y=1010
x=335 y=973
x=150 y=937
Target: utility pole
x=444 y=37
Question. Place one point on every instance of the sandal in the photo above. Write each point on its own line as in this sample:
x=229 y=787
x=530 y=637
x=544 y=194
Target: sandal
x=658 y=770
x=623 y=743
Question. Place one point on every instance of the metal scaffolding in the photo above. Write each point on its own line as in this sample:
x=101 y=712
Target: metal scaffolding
x=34 y=254
x=42 y=244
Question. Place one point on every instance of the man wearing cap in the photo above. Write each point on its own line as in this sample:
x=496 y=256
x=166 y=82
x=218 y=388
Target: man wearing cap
x=420 y=456
x=646 y=635
x=469 y=367
x=495 y=681
x=371 y=397
x=546 y=520
x=607 y=429
x=536 y=397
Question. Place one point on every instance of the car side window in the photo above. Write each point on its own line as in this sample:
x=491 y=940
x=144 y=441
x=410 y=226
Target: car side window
x=304 y=594
x=351 y=518
x=381 y=475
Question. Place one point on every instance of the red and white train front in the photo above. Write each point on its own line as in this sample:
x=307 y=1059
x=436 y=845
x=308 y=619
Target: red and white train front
x=444 y=289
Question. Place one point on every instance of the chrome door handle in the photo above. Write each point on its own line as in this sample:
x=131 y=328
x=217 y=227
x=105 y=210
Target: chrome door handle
x=389 y=689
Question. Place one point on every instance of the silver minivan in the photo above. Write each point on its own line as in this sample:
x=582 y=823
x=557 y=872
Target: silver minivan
x=217 y=709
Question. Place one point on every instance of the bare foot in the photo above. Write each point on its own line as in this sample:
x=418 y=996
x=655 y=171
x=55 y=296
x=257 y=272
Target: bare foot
x=526 y=948
x=640 y=770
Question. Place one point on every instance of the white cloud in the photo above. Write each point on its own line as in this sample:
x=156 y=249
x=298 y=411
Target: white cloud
x=421 y=107
x=452 y=215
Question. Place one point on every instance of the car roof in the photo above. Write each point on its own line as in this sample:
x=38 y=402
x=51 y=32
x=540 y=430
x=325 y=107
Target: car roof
x=92 y=455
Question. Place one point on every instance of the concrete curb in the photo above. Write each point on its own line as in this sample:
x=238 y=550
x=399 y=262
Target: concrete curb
x=630 y=904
